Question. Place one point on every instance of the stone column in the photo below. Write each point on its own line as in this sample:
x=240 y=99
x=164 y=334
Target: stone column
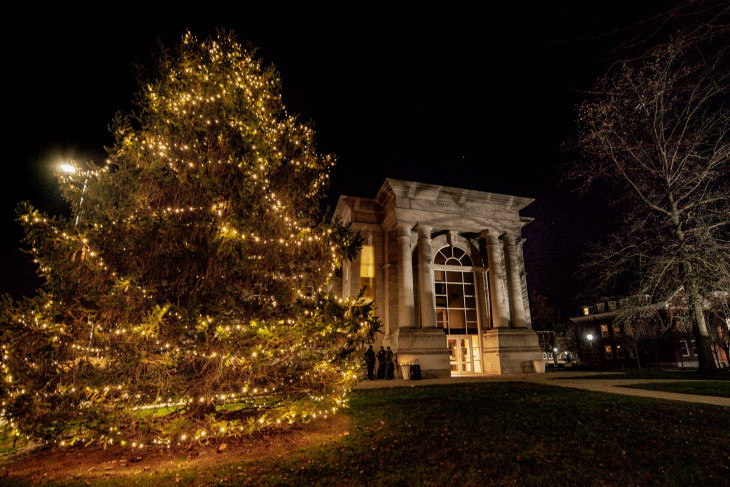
x=482 y=299
x=497 y=291
x=516 y=304
x=425 y=278
x=405 y=277
x=523 y=281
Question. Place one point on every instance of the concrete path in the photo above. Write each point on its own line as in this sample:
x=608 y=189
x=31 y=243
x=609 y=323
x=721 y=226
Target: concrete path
x=573 y=380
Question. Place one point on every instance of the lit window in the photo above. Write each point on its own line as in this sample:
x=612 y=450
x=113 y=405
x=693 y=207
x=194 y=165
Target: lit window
x=620 y=352
x=604 y=330
x=601 y=307
x=609 y=352
x=611 y=305
x=616 y=329
x=586 y=310
x=367 y=270
x=367 y=261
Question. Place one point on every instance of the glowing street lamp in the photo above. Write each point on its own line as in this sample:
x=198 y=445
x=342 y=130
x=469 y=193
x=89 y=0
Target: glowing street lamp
x=69 y=168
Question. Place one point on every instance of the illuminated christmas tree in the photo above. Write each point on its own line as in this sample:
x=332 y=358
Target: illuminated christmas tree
x=187 y=297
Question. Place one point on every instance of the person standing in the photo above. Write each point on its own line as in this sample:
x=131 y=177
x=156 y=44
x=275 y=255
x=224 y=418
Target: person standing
x=389 y=365
x=381 y=363
x=370 y=362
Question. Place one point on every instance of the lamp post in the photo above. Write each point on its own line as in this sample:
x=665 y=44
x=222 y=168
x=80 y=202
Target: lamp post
x=69 y=168
x=590 y=340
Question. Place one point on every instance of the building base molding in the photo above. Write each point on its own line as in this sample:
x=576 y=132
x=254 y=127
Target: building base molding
x=428 y=346
x=511 y=351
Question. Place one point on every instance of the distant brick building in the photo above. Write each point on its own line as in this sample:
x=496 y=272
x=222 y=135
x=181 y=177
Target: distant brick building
x=607 y=341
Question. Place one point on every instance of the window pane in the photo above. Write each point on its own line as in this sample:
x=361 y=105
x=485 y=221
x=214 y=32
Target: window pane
x=458 y=252
x=456 y=319
x=440 y=288
x=469 y=277
x=466 y=260
x=468 y=290
x=439 y=276
x=439 y=259
x=455 y=296
x=367 y=261
x=471 y=315
x=453 y=276
x=452 y=261
x=441 y=301
x=471 y=302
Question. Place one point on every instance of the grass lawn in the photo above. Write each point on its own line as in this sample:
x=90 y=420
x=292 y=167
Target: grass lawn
x=495 y=434
x=720 y=388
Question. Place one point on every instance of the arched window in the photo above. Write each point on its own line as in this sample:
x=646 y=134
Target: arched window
x=456 y=304
x=452 y=256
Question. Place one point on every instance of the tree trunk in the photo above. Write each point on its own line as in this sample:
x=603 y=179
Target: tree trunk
x=681 y=358
x=699 y=327
x=200 y=410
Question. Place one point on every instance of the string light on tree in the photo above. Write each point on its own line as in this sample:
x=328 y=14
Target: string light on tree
x=199 y=236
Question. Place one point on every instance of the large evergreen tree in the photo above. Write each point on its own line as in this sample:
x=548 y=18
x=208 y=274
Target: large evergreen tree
x=191 y=280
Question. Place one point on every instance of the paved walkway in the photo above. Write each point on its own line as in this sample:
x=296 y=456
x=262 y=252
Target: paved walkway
x=573 y=380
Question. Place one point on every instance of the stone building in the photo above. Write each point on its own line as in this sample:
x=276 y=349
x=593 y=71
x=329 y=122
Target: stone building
x=446 y=271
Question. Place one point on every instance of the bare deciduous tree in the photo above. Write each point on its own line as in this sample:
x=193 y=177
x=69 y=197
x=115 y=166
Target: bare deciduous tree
x=656 y=132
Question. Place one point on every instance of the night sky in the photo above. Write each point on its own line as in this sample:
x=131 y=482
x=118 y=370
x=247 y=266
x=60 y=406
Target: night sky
x=477 y=95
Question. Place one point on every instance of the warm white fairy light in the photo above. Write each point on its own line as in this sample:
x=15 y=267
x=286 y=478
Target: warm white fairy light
x=252 y=352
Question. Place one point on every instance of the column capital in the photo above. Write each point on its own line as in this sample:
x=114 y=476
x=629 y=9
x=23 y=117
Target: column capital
x=514 y=239
x=424 y=231
x=404 y=229
x=491 y=236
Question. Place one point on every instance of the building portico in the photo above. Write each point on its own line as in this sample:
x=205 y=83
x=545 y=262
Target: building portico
x=445 y=269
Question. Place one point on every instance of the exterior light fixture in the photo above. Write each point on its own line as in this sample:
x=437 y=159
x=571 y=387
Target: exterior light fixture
x=70 y=168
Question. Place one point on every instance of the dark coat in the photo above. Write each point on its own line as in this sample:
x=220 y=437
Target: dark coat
x=370 y=356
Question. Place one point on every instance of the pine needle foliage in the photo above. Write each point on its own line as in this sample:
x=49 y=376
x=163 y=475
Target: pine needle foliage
x=187 y=298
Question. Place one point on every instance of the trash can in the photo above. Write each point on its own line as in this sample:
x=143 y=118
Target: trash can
x=415 y=371
x=405 y=369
